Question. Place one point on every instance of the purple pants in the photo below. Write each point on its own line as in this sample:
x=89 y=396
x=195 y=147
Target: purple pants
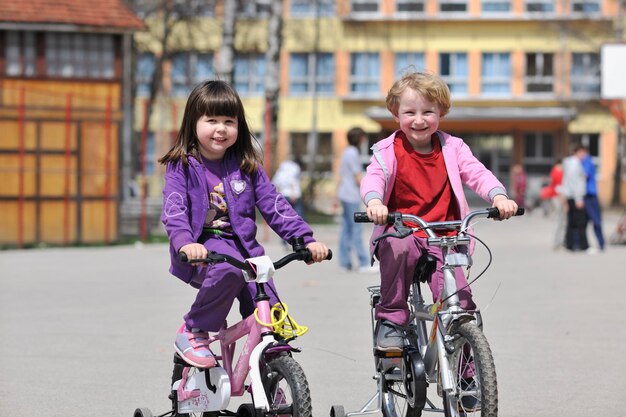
x=221 y=285
x=398 y=259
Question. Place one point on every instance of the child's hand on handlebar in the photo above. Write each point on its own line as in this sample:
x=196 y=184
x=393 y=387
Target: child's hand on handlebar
x=377 y=211
x=194 y=251
x=506 y=206
x=319 y=251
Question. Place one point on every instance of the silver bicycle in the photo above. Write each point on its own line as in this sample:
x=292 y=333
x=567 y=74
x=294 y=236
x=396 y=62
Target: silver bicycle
x=443 y=343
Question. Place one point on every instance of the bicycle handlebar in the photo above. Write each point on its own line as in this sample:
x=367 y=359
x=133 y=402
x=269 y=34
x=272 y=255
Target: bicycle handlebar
x=396 y=218
x=300 y=254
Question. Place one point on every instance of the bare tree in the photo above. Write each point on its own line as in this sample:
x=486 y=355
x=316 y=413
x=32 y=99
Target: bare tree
x=224 y=70
x=272 y=86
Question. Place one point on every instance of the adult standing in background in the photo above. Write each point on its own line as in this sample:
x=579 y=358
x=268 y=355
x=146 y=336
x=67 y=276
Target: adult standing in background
x=350 y=174
x=574 y=189
x=592 y=204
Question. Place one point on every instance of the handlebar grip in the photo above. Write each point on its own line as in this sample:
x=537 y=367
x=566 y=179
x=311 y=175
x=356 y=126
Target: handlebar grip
x=330 y=255
x=494 y=213
x=182 y=256
x=361 y=217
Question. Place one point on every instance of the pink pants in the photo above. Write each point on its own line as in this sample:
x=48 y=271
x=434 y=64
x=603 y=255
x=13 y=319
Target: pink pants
x=398 y=258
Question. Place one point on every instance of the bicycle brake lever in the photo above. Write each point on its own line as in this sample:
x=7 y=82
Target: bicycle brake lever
x=399 y=233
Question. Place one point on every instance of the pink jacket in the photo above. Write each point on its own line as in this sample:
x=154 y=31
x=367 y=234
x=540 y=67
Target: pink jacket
x=461 y=165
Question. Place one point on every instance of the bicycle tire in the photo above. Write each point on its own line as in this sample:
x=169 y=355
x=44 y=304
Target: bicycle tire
x=286 y=387
x=470 y=346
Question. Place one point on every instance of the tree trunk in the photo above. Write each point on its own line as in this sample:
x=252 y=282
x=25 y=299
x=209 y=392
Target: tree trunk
x=225 y=67
x=272 y=86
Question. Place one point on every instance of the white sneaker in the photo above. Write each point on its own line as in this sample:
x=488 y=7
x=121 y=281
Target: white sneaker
x=369 y=269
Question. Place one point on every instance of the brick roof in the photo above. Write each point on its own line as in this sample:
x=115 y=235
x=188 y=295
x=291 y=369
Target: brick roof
x=112 y=14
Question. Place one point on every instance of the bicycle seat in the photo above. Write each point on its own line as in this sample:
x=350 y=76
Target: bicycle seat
x=425 y=267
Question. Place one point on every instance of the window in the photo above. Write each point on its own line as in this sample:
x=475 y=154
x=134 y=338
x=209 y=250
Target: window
x=496 y=74
x=249 y=74
x=143 y=74
x=453 y=6
x=585 y=73
x=364 y=6
x=323 y=155
x=19 y=53
x=409 y=6
x=311 y=72
x=191 y=8
x=406 y=61
x=496 y=6
x=79 y=55
x=540 y=6
x=539 y=73
x=538 y=152
x=453 y=69
x=307 y=8
x=364 y=74
x=586 y=6
x=255 y=8
x=189 y=69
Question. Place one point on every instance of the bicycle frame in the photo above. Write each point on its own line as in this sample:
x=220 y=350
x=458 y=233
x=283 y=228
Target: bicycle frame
x=258 y=338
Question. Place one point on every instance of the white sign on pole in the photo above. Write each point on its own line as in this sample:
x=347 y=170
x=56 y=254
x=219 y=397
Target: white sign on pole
x=613 y=67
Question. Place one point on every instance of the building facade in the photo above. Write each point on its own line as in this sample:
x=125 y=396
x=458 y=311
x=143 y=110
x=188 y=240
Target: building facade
x=65 y=90
x=524 y=76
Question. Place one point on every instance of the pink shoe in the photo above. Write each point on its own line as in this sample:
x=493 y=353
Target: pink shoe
x=193 y=347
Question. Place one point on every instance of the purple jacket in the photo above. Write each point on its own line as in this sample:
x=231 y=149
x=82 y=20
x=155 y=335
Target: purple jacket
x=461 y=165
x=186 y=202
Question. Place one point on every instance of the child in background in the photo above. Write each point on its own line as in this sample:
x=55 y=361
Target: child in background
x=420 y=170
x=214 y=183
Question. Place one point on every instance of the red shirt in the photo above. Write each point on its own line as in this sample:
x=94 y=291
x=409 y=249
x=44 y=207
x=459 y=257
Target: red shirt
x=422 y=187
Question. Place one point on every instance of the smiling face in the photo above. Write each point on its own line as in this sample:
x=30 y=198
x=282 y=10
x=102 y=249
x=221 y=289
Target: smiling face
x=216 y=134
x=418 y=118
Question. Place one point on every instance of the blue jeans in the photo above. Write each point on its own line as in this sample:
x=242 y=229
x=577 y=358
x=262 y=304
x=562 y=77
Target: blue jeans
x=592 y=206
x=351 y=237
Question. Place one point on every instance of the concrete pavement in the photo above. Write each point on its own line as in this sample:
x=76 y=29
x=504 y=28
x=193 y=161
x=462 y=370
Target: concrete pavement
x=89 y=331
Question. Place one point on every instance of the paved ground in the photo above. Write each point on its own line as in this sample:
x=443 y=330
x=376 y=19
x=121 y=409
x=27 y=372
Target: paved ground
x=88 y=332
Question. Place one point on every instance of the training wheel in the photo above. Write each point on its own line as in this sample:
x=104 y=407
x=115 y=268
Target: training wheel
x=337 y=411
x=142 y=412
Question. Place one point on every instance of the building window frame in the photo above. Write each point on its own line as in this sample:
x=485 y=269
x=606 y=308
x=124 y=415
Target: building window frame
x=309 y=72
x=585 y=74
x=365 y=74
x=539 y=75
x=454 y=70
x=539 y=152
x=539 y=6
x=249 y=74
x=405 y=61
x=189 y=68
x=496 y=74
x=307 y=8
x=80 y=55
x=20 y=54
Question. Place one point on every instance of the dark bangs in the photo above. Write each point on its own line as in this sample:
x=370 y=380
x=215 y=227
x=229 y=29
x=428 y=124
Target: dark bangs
x=219 y=100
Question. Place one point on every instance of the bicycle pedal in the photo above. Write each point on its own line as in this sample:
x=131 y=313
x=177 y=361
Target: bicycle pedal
x=388 y=354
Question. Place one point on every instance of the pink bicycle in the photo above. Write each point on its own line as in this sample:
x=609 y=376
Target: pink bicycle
x=277 y=383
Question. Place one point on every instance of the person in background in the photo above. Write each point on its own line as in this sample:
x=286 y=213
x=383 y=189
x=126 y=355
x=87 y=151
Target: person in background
x=574 y=189
x=519 y=181
x=287 y=182
x=552 y=195
x=592 y=204
x=350 y=174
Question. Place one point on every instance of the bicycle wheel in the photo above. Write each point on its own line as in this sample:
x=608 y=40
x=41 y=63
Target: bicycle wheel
x=474 y=373
x=286 y=387
x=403 y=390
